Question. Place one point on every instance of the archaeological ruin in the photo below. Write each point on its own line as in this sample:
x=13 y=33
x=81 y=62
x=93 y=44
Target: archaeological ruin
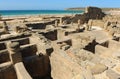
x=83 y=46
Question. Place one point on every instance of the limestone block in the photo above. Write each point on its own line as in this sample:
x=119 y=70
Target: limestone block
x=98 y=69
x=112 y=74
x=100 y=50
x=21 y=71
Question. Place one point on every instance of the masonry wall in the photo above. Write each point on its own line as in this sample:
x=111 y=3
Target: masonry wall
x=98 y=23
x=8 y=72
x=100 y=49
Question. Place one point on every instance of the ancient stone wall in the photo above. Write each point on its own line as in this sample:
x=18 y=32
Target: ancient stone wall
x=4 y=56
x=21 y=71
x=100 y=49
x=63 y=67
x=28 y=50
x=39 y=67
x=8 y=38
x=90 y=13
x=39 y=25
x=99 y=23
x=22 y=41
x=8 y=72
x=2 y=46
x=114 y=44
x=51 y=35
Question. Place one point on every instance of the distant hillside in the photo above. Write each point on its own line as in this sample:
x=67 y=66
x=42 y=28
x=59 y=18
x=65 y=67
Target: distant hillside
x=103 y=9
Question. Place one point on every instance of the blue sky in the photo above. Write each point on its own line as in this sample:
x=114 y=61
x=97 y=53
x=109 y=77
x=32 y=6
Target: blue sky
x=55 y=4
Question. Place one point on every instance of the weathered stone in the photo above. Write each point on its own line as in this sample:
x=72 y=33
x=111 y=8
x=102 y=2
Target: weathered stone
x=61 y=21
x=5 y=27
x=56 y=23
x=14 y=50
x=112 y=74
x=86 y=27
x=98 y=69
x=14 y=45
x=65 y=47
x=79 y=77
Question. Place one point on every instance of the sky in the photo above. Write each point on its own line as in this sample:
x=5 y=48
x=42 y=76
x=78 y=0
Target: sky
x=54 y=4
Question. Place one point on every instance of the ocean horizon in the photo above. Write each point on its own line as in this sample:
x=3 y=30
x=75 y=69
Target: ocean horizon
x=37 y=12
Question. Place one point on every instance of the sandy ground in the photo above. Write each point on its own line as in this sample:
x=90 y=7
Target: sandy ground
x=113 y=12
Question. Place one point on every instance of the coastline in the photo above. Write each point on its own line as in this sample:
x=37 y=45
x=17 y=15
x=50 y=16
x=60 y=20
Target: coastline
x=38 y=15
x=36 y=12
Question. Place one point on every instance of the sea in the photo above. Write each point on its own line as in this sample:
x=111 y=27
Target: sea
x=37 y=12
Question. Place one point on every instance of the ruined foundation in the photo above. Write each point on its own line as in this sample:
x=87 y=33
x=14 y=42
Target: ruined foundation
x=82 y=47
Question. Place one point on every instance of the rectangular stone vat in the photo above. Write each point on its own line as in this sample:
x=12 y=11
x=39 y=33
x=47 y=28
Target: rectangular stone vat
x=21 y=71
x=114 y=44
x=51 y=35
x=28 y=50
x=2 y=46
x=105 y=44
x=22 y=41
x=8 y=72
x=4 y=56
x=100 y=49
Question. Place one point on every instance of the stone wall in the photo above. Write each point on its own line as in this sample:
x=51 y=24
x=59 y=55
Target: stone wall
x=40 y=25
x=99 y=23
x=51 y=35
x=28 y=50
x=4 y=56
x=63 y=67
x=8 y=72
x=8 y=38
x=22 y=41
x=90 y=13
x=39 y=67
x=21 y=71
x=100 y=49
x=2 y=46
x=60 y=34
x=114 y=44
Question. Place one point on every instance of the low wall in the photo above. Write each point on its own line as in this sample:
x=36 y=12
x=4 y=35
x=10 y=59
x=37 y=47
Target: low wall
x=28 y=50
x=40 y=25
x=63 y=67
x=114 y=44
x=38 y=67
x=21 y=71
x=22 y=41
x=2 y=46
x=60 y=34
x=15 y=37
x=8 y=72
x=100 y=49
x=98 y=23
x=51 y=35
x=4 y=56
x=105 y=44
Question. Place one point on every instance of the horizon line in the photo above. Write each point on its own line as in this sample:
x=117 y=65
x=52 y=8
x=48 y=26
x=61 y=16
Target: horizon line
x=59 y=8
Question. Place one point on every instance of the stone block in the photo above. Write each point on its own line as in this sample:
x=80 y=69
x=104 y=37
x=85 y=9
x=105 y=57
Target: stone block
x=112 y=74
x=98 y=69
x=100 y=49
